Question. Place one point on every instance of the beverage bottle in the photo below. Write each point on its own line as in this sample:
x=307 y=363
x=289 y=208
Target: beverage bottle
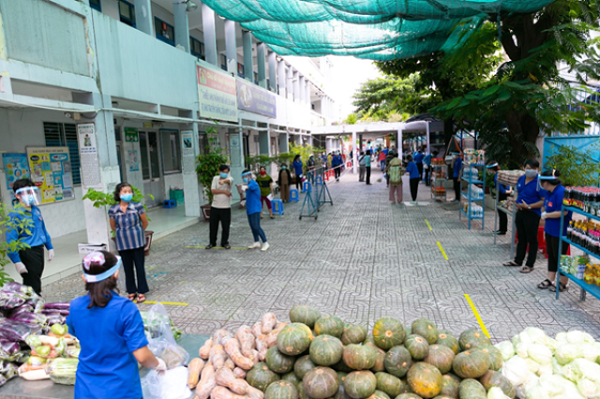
x=570 y=230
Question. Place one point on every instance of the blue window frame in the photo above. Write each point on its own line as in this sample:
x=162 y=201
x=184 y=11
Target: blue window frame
x=95 y=4
x=255 y=78
x=223 y=62
x=268 y=84
x=127 y=13
x=164 y=31
x=197 y=48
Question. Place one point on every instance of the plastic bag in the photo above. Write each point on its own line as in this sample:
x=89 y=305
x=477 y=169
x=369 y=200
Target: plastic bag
x=172 y=384
x=17 y=332
x=62 y=371
x=162 y=343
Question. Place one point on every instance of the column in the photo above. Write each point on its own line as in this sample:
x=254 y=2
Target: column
x=236 y=147
x=263 y=141
x=272 y=57
x=191 y=187
x=307 y=93
x=399 y=146
x=231 y=47
x=296 y=87
x=143 y=16
x=360 y=142
x=262 y=69
x=210 y=35
x=427 y=138
x=354 y=153
x=290 y=84
x=182 y=26
x=302 y=95
x=281 y=79
x=248 y=62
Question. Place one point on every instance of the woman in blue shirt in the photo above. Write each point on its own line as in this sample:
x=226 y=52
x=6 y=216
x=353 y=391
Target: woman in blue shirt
x=503 y=193
x=529 y=204
x=414 y=177
x=297 y=165
x=111 y=333
x=552 y=211
x=456 y=169
x=254 y=209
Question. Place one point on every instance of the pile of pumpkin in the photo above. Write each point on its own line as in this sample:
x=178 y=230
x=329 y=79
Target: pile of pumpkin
x=320 y=357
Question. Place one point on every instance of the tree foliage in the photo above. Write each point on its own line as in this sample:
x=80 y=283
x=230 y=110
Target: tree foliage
x=577 y=167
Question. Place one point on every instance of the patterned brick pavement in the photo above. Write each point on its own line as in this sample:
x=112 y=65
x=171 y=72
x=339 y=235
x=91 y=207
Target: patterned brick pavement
x=362 y=259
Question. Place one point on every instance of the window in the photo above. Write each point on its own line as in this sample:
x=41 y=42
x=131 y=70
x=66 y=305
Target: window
x=127 y=13
x=95 y=4
x=241 y=71
x=149 y=155
x=164 y=31
x=197 y=48
x=204 y=144
x=255 y=78
x=65 y=135
x=268 y=84
x=223 y=62
x=171 y=150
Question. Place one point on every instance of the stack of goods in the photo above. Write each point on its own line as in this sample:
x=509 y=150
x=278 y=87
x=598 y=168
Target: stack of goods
x=585 y=234
x=544 y=368
x=471 y=173
x=585 y=198
x=438 y=191
x=591 y=275
x=474 y=156
x=153 y=322
x=508 y=203
x=509 y=177
x=576 y=266
x=440 y=174
x=477 y=193
x=438 y=161
x=321 y=357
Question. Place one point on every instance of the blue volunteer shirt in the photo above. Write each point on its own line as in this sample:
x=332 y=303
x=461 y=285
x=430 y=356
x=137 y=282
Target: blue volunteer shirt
x=554 y=202
x=34 y=222
x=457 y=167
x=253 y=204
x=427 y=159
x=412 y=170
x=386 y=151
x=297 y=167
x=530 y=193
x=419 y=158
x=501 y=187
x=107 y=368
x=129 y=233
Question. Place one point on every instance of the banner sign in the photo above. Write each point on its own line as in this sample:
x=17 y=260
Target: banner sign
x=16 y=167
x=88 y=153
x=255 y=99
x=216 y=92
x=131 y=135
x=51 y=172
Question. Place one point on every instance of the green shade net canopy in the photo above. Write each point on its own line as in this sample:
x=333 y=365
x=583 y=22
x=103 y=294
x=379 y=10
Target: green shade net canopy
x=374 y=29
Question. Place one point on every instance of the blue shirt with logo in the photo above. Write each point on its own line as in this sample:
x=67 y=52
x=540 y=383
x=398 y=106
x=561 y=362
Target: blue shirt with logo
x=530 y=193
x=253 y=204
x=552 y=203
x=419 y=158
x=501 y=187
x=36 y=235
x=427 y=159
x=457 y=167
x=412 y=170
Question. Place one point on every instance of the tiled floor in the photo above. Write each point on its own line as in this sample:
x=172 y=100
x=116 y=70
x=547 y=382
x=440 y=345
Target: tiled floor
x=362 y=259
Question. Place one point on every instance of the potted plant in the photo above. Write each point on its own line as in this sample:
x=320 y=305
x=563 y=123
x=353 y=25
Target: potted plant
x=207 y=167
x=100 y=198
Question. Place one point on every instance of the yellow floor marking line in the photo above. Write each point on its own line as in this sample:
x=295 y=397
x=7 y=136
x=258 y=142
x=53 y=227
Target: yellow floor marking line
x=428 y=225
x=201 y=247
x=485 y=331
x=442 y=250
x=167 y=303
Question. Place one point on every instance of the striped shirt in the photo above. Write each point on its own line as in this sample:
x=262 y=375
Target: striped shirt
x=129 y=233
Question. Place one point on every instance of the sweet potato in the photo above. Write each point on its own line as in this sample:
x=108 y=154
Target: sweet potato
x=220 y=335
x=254 y=393
x=207 y=382
x=239 y=373
x=226 y=378
x=232 y=348
x=205 y=349
x=218 y=356
x=268 y=323
x=195 y=367
x=257 y=329
x=224 y=393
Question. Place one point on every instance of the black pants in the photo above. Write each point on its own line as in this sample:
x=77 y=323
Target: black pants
x=552 y=251
x=338 y=171
x=457 y=187
x=414 y=187
x=420 y=169
x=224 y=216
x=298 y=183
x=428 y=176
x=502 y=218
x=368 y=174
x=131 y=257
x=33 y=259
x=527 y=229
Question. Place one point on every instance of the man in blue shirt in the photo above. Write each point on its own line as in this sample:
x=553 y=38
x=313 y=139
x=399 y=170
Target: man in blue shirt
x=29 y=227
x=456 y=168
x=254 y=209
x=413 y=176
x=419 y=161
x=427 y=167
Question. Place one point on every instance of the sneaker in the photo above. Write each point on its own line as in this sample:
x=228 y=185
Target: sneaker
x=413 y=202
x=265 y=246
x=256 y=245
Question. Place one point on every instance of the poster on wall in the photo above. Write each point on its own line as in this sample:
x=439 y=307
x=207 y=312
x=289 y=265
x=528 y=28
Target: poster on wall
x=131 y=135
x=187 y=151
x=15 y=168
x=254 y=99
x=51 y=172
x=133 y=161
x=88 y=150
x=217 y=94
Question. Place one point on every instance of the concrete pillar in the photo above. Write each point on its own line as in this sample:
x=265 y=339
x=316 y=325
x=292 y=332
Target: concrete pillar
x=182 y=26
x=427 y=138
x=281 y=78
x=143 y=16
x=248 y=62
x=301 y=90
x=354 y=153
x=262 y=69
x=273 y=71
x=263 y=141
x=210 y=35
x=307 y=93
x=360 y=142
x=231 y=47
x=290 y=84
x=191 y=188
x=236 y=147
x=296 y=87
x=399 y=146
x=284 y=144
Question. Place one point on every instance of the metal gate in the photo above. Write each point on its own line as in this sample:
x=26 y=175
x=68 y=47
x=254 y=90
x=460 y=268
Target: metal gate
x=552 y=145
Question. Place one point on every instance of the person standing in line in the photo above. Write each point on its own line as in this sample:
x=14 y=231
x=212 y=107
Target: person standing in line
x=553 y=203
x=361 y=167
x=427 y=168
x=336 y=163
x=329 y=160
x=413 y=176
x=529 y=203
x=503 y=193
x=456 y=173
x=418 y=159
x=30 y=228
x=253 y=210
x=388 y=158
x=129 y=220
x=284 y=183
x=394 y=172
x=297 y=165
x=266 y=188
x=310 y=169
x=324 y=158
x=220 y=209
x=368 y=167
x=381 y=159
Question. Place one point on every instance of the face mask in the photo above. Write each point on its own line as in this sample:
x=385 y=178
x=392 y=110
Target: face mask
x=530 y=173
x=283 y=167
x=28 y=199
x=262 y=173
x=126 y=197
x=245 y=179
x=224 y=175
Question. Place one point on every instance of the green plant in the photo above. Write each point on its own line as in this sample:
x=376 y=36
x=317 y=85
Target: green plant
x=254 y=163
x=305 y=151
x=284 y=158
x=577 y=167
x=100 y=198
x=8 y=223
x=207 y=165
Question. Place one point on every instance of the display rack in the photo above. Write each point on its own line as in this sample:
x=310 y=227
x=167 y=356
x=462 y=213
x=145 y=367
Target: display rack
x=594 y=290
x=509 y=212
x=469 y=196
x=443 y=170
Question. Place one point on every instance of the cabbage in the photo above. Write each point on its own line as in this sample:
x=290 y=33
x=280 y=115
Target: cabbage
x=551 y=343
x=516 y=370
x=561 y=338
x=545 y=369
x=522 y=349
x=532 y=365
x=540 y=353
x=588 y=388
x=556 y=368
x=535 y=334
x=578 y=337
x=591 y=351
x=581 y=368
x=566 y=353
x=507 y=349
x=533 y=391
x=496 y=393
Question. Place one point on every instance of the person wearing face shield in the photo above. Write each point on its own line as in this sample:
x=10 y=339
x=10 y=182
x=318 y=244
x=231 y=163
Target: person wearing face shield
x=253 y=210
x=29 y=262
x=529 y=204
x=220 y=209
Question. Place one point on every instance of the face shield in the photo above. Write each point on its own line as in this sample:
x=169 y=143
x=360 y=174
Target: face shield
x=29 y=195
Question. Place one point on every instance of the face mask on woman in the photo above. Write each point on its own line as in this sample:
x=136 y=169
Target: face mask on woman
x=126 y=197
x=224 y=175
x=262 y=172
x=245 y=179
x=530 y=173
x=283 y=167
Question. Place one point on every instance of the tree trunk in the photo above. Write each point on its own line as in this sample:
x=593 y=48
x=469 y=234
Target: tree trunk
x=448 y=131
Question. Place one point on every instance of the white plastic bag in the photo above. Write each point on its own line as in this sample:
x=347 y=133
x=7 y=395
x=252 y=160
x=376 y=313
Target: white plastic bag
x=171 y=384
x=163 y=344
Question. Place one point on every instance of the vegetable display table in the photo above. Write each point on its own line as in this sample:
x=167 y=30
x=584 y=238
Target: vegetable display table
x=18 y=388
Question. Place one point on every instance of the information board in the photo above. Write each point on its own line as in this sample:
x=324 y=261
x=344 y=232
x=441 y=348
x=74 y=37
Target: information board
x=51 y=172
x=15 y=168
x=88 y=153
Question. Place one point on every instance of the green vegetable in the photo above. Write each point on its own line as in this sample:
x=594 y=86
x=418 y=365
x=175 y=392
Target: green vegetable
x=61 y=346
x=59 y=329
x=33 y=341
x=62 y=371
x=43 y=350
x=36 y=361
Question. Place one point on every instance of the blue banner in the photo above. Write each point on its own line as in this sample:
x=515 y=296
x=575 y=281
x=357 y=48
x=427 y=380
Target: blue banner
x=255 y=99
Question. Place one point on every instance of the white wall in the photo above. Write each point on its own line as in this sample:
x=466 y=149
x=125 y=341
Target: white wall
x=111 y=8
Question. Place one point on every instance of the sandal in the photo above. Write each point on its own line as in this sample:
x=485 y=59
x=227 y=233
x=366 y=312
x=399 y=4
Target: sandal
x=561 y=288
x=208 y=247
x=272 y=217
x=511 y=263
x=131 y=297
x=544 y=285
x=141 y=298
x=526 y=269
x=227 y=246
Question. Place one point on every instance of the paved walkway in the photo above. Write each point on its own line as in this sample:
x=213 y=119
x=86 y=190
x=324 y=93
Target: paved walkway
x=362 y=259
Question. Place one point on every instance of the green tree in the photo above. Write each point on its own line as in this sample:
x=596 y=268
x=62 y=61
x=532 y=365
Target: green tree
x=6 y=224
x=207 y=164
x=577 y=167
x=305 y=151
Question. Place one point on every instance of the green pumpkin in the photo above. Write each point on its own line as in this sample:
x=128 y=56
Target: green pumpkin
x=379 y=363
x=281 y=390
x=426 y=329
x=388 y=332
x=471 y=389
x=360 y=384
x=450 y=384
x=278 y=362
x=471 y=364
x=360 y=357
x=495 y=379
x=408 y=396
x=304 y=314
x=397 y=361
x=302 y=366
x=449 y=340
x=301 y=392
x=341 y=376
x=379 y=395
x=321 y=383
x=389 y=384
x=424 y=379
x=472 y=338
x=494 y=354
x=291 y=377
x=341 y=393
x=294 y=339
x=354 y=335
x=417 y=346
x=326 y=350
x=260 y=376
x=329 y=325
x=441 y=357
